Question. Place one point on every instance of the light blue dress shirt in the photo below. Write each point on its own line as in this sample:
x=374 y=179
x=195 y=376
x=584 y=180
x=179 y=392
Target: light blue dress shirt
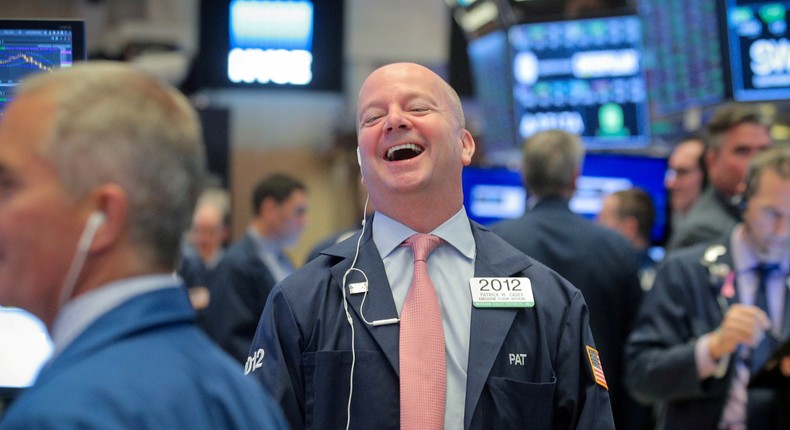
x=450 y=267
x=272 y=256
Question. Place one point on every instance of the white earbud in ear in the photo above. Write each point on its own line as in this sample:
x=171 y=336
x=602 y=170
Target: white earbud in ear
x=96 y=219
x=359 y=157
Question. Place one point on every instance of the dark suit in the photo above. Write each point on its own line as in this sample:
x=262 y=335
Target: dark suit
x=302 y=350
x=604 y=266
x=239 y=287
x=329 y=241
x=685 y=303
x=195 y=273
x=711 y=218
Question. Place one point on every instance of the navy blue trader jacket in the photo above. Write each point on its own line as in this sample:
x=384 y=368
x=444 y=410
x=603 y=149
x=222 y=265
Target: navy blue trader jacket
x=528 y=367
x=689 y=299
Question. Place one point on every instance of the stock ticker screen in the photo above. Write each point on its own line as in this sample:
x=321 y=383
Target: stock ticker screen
x=757 y=33
x=35 y=46
x=685 y=62
x=584 y=76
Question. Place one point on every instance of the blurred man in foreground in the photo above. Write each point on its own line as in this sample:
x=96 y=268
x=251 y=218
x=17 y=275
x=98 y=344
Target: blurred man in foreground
x=100 y=166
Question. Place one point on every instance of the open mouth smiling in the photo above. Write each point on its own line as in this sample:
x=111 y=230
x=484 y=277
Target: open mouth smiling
x=403 y=152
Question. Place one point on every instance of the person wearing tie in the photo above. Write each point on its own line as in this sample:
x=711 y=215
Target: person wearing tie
x=716 y=313
x=424 y=319
x=253 y=264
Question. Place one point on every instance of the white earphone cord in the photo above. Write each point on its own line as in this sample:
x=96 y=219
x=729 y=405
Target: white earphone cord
x=83 y=246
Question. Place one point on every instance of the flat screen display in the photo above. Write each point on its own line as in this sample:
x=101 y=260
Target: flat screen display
x=757 y=32
x=584 y=76
x=684 y=59
x=272 y=44
x=271 y=41
x=489 y=61
x=30 y=46
x=24 y=347
x=493 y=194
x=605 y=173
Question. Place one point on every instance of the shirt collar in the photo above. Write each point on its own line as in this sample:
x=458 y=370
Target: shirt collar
x=745 y=259
x=263 y=244
x=80 y=312
x=388 y=233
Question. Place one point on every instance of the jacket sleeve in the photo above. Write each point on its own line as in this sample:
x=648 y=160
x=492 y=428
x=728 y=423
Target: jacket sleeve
x=235 y=307
x=660 y=362
x=275 y=358
x=582 y=397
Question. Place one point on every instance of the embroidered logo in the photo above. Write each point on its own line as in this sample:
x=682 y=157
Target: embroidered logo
x=597 y=369
x=255 y=361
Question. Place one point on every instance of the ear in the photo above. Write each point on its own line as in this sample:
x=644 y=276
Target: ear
x=268 y=209
x=630 y=227
x=710 y=157
x=467 y=147
x=113 y=202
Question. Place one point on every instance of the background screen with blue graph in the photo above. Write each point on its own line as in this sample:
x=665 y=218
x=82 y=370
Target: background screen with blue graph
x=31 y=46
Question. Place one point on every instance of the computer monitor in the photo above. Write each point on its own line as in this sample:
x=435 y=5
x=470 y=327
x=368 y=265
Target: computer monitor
x=493 y=88
x=684 y=55
x=584 y=76
x=493 y=194
x=36 y=45
x=605 y=173
x=759 y=51
x=270 y=44
x=25 y=346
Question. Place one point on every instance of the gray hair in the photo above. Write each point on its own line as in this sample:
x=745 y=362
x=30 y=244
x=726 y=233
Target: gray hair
x=775 y=158
x=116 y=124
x=551 y=158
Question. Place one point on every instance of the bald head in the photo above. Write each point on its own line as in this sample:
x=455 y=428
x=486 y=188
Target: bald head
x=417 y=71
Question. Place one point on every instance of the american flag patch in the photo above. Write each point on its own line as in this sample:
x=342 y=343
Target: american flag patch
x=595 y=363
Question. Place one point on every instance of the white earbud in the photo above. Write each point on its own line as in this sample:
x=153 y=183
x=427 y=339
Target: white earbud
x=95 y=220
x=359 y=157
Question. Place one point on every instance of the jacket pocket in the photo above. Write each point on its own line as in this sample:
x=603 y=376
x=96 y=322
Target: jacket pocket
x=375 y=397
x=512 y=404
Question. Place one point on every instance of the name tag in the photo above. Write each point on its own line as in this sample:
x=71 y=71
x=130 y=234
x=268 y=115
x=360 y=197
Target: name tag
x=501 y=293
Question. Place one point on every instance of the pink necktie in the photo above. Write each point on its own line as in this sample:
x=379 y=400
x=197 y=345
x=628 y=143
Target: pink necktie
x=422 y=359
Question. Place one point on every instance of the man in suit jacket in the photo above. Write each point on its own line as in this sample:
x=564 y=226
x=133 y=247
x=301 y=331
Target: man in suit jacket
x=328 y=340
x=685 y=178
x=736 y=133
x=255 y=263
x=100 y=167
x=598 y=261
x=700 y=326
x=204 y=246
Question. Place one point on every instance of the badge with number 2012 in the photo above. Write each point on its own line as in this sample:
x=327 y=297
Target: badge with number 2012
x=501 y=292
